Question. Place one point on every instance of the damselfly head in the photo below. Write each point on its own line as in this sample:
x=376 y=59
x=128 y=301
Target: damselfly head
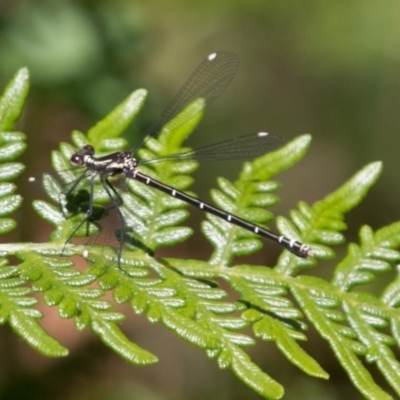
x=78 y=158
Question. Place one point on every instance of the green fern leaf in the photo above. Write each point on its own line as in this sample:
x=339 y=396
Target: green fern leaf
x=111 y=335
x=13 y=100
x=16 y=300
x=184 y=295
x=323 y=222
x=154 y=215
x=355 y=330
x=248 y=198
x=104 y=136
x=26 y=326
x=16 y=309
x=11 y=146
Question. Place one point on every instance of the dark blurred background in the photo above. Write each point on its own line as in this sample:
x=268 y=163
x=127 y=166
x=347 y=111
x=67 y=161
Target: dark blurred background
x=331 y=69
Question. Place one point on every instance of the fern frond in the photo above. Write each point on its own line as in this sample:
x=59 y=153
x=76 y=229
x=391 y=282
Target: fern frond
x=12 y=145
x=65 y=287
x=17 y=310
x=272 y=303
x=351 y=321
x=155 y=215
x=105 y=135
x=323 y=223
x=248 y=198
x=16 y=300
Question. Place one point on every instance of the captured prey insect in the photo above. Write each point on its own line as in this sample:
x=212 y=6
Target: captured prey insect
x=208 y=81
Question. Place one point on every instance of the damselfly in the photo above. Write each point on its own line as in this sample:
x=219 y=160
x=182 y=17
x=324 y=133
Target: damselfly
x=208 y=81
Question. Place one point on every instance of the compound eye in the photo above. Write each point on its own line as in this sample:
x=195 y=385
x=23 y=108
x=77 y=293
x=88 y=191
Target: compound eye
x=75 y=160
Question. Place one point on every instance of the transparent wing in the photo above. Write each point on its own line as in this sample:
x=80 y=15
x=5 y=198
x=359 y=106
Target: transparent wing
x=240 y=147
x=208 y=81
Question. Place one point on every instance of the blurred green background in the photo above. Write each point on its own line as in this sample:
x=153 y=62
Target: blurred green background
x=327 y=68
